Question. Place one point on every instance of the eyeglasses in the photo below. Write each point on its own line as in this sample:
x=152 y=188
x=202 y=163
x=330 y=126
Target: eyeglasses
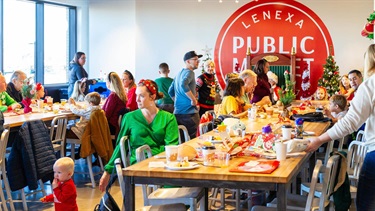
x=195 y=59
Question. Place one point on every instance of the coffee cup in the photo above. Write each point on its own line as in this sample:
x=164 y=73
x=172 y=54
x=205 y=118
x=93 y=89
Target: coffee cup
x=171 y=153
x=287 y=132
x=281 y=148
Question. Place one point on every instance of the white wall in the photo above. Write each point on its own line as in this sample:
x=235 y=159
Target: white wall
x=139 y=34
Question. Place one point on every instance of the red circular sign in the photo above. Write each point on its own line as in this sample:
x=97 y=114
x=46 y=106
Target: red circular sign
x=273 y=27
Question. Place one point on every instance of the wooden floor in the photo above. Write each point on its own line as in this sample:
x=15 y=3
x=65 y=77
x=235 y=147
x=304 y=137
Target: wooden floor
x=88 y=197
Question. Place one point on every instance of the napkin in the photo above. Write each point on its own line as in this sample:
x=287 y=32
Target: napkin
x=156 y=164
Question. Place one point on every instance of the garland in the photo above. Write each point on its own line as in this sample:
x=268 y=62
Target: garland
x=368 y=29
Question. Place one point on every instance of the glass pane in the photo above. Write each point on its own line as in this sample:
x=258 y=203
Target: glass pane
x=56 y=44
x=19 y=37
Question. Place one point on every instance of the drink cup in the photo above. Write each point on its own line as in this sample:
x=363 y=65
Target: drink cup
x=223 y=159
x=63 y=101
x=50 y=101
x=208 y=155
x=280 y=150
x=287 y=132
x=269 y=111
x=171 y=153
x=40 y=104
x=56 y=108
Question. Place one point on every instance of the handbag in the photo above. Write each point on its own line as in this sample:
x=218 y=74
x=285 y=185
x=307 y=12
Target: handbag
x=107 y=202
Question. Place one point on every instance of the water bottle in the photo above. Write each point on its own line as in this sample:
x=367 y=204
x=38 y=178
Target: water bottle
x=299 y=128
x=252 y=113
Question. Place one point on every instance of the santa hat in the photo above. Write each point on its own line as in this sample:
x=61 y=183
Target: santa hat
x=272 y=76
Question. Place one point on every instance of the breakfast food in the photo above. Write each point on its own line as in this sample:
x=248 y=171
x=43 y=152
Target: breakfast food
x=187 y=151
x=183 y=163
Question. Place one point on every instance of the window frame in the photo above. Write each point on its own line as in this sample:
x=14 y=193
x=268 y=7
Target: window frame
x=39 y=37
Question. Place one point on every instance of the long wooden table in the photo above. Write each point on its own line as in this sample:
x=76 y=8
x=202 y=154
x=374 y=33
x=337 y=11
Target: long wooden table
x=208 y=177
x=18 y=120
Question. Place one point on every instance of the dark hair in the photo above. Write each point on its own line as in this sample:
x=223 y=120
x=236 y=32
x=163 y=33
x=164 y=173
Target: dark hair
x=259 y=67
x=233 y=87
x=163 y=67
x=77 y=56
x=131 y=77
x=357 y=72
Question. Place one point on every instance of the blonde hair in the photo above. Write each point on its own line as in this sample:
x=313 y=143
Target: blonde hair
x=67 y=163
x=115 y=85
x=207 y=63
x=340 y=101
x=369 y=61
x=93 y=98
x=77 y=90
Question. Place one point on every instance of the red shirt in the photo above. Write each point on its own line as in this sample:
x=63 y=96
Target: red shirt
x=64 y=196
x=132 y=99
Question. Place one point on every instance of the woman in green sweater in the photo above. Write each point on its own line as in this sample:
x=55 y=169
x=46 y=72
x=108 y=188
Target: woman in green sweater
x=146 y=125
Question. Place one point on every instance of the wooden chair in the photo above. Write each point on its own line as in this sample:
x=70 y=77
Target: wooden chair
x=3 y=145
x=58 y=134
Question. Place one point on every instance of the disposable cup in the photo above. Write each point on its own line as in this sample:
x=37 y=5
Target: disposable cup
x=40 y=104
x=269 y=111
x=63 y=101
x=50 y=101
x=171 y=153
x=208 y=155
x=280 y=150
x=223 y=159
x=287 y=132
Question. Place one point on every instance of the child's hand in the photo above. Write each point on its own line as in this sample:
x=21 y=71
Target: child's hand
x=43 y=199
x=55 y=183
x=71 y=101
x=16 y=105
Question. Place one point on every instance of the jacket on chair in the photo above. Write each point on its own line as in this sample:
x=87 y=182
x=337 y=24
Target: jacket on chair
x=97 y=137
x=32 y=156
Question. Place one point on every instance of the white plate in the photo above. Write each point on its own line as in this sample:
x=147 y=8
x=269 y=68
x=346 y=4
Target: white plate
x=216 y=141
x=173 y=166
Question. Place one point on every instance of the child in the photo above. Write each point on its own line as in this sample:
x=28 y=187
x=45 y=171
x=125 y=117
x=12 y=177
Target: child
x=321 y=93
x=39 y=91
x=78 y=90
x=337 y=107
x=64 y=191
x=5 y=99
x=164 y=82
x=92 y=100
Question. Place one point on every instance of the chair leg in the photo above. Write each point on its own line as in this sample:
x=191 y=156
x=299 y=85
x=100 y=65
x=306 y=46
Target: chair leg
x=7 y=189
x=41 y=184
x=24 y=204
x=3 y=201
x=89 y=164
x=238 y=196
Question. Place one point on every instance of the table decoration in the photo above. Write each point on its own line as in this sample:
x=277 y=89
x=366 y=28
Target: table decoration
x=28 y=93
x=259 y=166
x=287 y=95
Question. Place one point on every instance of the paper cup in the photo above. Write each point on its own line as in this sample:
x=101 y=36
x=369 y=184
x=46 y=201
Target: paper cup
x=280 y=150
x=171 y=153
x=208 y=155
x=287 y=132
x=40 y=104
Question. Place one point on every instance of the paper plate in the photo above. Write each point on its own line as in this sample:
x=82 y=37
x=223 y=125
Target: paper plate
x=174 y=166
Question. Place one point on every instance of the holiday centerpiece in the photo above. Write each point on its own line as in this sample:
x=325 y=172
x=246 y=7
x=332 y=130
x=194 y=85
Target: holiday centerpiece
x=287 y=95
x=28 y=93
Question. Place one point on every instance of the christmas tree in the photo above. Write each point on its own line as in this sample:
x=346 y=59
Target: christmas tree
x=330 y=79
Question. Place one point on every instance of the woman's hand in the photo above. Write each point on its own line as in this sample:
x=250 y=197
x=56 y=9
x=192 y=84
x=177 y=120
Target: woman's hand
x=314 y=144
x=104 y=181
x=15 y=106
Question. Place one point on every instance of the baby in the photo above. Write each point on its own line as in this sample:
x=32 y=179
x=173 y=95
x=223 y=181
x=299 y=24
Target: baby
x=337 y=107
x=64 y=191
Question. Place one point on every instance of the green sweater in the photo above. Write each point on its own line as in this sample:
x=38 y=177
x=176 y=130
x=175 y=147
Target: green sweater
x=162 y=131
x=5 y=101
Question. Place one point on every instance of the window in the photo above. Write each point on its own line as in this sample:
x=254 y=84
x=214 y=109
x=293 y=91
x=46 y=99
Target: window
x=38 y=38
x=56 y=37
x=19 y=37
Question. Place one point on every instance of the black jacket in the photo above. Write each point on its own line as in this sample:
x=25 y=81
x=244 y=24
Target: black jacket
x=32 y=156
x=12 y=91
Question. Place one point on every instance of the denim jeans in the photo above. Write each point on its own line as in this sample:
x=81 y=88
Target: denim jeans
x=190 y=121
x=366 y=184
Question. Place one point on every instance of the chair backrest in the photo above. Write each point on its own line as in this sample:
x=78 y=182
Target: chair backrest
x=203 y=127
x=329 y=171
x=3 y=145
x=58 y=128
x=314 y=181
x=185 y=132
x=356 y=155
x=120 y=176
x=360 y=136
x=141 y=153
x=125 y=157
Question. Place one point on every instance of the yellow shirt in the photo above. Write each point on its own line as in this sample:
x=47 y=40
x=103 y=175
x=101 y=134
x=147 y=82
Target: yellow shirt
x=229 y=105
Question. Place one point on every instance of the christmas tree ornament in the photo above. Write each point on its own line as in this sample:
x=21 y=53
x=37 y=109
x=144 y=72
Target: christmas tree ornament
x=368 y=29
